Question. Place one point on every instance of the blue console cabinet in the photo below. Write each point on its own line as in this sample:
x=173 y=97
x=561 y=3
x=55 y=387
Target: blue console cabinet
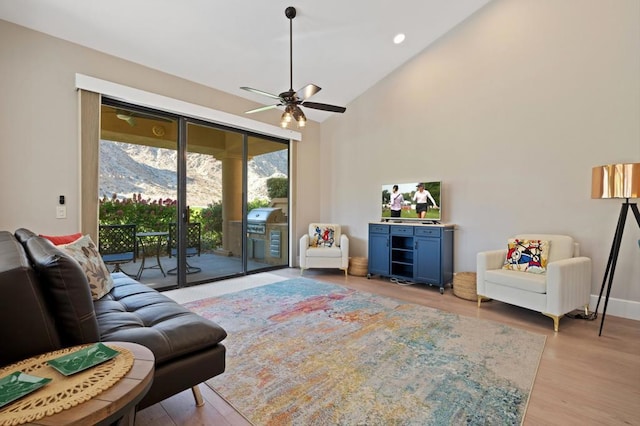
x=416 y=253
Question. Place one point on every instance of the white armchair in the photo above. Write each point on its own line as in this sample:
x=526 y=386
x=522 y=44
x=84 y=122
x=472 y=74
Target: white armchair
x=324 y=246
x=565 y=286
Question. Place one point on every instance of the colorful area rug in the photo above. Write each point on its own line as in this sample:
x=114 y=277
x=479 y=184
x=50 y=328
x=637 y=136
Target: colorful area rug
x=302 y=352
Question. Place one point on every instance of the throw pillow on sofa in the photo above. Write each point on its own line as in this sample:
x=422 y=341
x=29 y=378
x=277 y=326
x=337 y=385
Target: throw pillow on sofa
x=85 y=252
x=62 y=239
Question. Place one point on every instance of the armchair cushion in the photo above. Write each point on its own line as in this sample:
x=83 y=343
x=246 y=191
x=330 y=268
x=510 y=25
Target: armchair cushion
x=527 y=255
x=324 y=252
x=560 y=246
x=536 y=283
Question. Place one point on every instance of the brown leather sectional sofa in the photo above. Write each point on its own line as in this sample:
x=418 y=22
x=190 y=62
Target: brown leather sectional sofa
x=46 y=304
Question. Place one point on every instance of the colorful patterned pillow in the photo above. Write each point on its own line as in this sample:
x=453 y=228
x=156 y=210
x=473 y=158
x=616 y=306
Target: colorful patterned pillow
x=527 y=256
x=85 y=252
x=323 y=236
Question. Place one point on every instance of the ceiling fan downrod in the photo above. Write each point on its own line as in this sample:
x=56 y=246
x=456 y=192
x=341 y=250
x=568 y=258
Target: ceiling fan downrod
x=290 y=12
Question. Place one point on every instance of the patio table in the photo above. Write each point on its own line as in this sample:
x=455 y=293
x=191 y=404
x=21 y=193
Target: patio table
x=159 y=236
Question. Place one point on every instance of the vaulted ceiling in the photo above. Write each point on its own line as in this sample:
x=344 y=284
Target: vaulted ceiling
x=345 y=47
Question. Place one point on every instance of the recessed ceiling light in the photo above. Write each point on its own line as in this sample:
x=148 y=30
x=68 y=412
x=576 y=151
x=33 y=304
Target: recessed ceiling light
x=399 y=38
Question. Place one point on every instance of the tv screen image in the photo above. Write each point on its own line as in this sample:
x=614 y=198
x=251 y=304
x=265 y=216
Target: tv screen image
x=413 y=201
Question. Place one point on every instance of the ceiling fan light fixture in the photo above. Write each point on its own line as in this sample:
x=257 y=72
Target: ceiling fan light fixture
x=286 y=117
x=299 y=116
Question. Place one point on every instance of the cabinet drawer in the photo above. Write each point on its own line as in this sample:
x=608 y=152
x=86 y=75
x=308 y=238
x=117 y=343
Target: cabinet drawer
x=379 y=229
x=402 y=230
x=428 y=232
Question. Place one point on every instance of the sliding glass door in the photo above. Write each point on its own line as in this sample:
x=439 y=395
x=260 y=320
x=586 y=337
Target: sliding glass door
x=214 y=200
x=190 y=188
x=267 y=204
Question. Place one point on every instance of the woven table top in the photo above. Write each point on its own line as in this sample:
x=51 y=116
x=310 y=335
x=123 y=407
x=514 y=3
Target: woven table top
x=62 y=392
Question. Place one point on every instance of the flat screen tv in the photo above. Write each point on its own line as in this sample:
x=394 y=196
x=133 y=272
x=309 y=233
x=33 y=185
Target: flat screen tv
x=415 y=201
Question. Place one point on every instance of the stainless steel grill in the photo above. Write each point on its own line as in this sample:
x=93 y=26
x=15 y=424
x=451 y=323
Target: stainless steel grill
x=265 y=228
x=257 y=219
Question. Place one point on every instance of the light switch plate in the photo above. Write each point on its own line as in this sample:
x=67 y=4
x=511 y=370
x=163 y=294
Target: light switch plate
x=61 y=212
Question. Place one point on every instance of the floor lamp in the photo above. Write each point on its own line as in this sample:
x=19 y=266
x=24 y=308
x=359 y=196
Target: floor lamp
x=615 y=181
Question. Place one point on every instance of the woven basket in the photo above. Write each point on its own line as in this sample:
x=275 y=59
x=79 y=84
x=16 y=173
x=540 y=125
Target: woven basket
x=464 y=286
x=358 y=266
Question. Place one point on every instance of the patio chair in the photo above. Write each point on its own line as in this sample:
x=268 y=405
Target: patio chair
x=194 y=244
x=117 y=245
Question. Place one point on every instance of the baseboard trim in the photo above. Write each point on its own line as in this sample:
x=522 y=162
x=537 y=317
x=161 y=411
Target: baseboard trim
x=618 y=307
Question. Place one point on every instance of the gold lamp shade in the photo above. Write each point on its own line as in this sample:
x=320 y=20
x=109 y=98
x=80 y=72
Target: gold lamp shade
x=616 y=181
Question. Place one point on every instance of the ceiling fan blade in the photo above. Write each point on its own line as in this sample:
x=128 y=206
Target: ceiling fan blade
x=307 y=91
x=127 y=119
x=324 y=107
x=124 y=114
x=264 y=108
x=261 y=92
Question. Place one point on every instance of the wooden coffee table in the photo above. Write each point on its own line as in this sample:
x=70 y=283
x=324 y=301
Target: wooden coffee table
x=115 y=405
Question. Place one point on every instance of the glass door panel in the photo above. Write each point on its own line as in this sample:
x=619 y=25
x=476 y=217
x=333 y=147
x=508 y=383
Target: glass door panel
x=138 y=189
x=214 y=197
x=267 y=204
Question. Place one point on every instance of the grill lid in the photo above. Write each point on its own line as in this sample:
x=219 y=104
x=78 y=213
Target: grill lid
x=266 y=215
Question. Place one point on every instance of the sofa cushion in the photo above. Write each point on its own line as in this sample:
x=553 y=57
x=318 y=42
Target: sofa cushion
x=65 y=286
x=324 y=235
x=85 y=252
x=527 y=255
x=535 y=283
x=133 y=312
x=23 y=234
x=27 y=326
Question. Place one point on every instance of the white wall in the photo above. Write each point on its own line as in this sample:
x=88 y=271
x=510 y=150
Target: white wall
x=546 y=86
x=511 y=111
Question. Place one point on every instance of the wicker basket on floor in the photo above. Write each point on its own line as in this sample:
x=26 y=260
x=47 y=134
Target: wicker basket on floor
x=358 y=266
x=464 y=286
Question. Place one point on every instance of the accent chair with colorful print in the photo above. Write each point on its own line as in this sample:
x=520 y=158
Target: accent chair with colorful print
x=324 y=246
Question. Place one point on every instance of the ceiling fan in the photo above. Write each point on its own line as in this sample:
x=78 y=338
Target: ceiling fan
x=292 y=100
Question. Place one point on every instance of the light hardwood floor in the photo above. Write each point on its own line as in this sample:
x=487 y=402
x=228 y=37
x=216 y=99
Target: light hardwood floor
x=582 y=379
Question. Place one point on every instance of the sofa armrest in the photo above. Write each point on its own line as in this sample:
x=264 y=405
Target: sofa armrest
x=568 y=284
x=486 y=261
x=344 y=247
x=304 y=244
